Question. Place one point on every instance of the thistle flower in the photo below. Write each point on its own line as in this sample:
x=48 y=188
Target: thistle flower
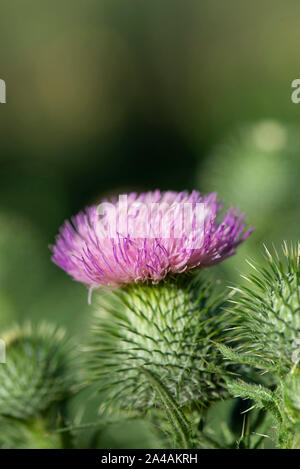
x=146 y=238
x=152 y=342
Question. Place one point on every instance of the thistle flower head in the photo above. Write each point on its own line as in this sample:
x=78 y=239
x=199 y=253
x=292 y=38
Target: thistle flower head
x=146 y=237
x=36 y=373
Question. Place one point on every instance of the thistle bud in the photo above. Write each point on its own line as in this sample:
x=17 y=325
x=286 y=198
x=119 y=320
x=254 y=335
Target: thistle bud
x=267 y=312
x=36 y=373
x=267 y=337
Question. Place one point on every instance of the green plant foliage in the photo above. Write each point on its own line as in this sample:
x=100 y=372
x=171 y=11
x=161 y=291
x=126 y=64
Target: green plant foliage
x=291 y=396
x=163 y=330
x=36 y=434
x=266 y=336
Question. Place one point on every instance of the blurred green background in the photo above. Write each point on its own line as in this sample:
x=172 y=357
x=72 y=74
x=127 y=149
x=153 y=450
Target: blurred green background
x=106 y=96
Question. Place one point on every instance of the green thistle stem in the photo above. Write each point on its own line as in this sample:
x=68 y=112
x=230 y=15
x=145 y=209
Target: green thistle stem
x=176 y=416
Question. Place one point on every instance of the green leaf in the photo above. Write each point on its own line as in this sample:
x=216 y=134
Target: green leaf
x=233 y=356
x=263 y=397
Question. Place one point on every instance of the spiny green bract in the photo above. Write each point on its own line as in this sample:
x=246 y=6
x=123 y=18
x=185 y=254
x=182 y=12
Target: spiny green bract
x=268 y=313
x=164 y=329
x=36 y=373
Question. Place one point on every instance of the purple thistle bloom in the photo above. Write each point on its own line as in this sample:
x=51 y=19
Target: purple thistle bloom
x=148 y=239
